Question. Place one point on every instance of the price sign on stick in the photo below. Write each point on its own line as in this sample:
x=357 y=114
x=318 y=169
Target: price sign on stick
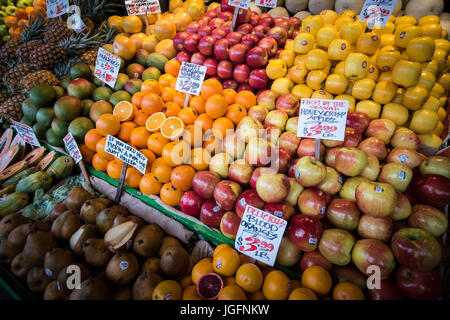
x=266 y=3
x=56 y=8
x=26 y=133
x=243 y=4
x=190 y=79
x=259 y=235
x=377 y=12
x=141 y=7
x=107 y=67
x=72 y=148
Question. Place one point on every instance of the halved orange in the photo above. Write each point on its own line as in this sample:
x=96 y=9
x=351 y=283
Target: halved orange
x=172 y=128
x=124 y=111
x=155 y=121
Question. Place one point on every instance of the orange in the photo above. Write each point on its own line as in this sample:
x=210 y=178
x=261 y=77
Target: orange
x=223 y=125
x=172 y=67
x=167 y=94
x=216 y=106
x=173 y=82
x=200 y=159
x=193 y=134
x=155 y=121
x=156 y=143
x=276 y=286
x=198 y=104
x=149 y=155
x=151 y=86
x=132 y=177
x=226 y=262
x=190 y=293
x=172 y=128
x=186 y=282
x=86 y=153
x=347 y=291
x=211 y=87
x=205 y=121
x=317 y=279
x=149 y=185
x=140 y=118
x=161 y=170
x=152 y=103
x=181 y=177
x=107 y=124
x=167 y=290
x=258 y=295
x=229 y=280
x=166 y=79
x=229 y=95
x=165 y=29
x=219 y=248
x=176 y=153
x=10 y=21
x=249 y=277
x=125 y=130
x=139 y=137
x=235 y=113
x=171 y=109
x=244 y=258
x=91 y=138
x=171 y=195
x=114 y=168
x=100 y=148
x=245 y=98
x=99 y=163
x=179 y=98
x=124 y=111
x=232 y=292
x=201 y=268
x=132 y=24
x=188 y=115
x=136 y=99
x=302 y=294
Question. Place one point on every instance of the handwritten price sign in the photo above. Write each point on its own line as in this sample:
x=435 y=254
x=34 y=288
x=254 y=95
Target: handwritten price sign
x=126 y=153
x=243 y=4
x=322 y=119
x=56 y=8
x=190 y=78
x=266 y=3
x=141 y=7
x=377 y=12
x=107 y=67
x=72 y=148
x=26 y=133
x=259 y=235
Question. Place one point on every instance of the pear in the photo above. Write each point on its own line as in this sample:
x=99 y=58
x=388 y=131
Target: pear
x=18 y=267
x=122 y=269
x=105 y=219
x=85 y=232
x=91 y=208
x=120 y=236
x=148 y=241
x=175 y=262
x=10 y=222
x=57 y=259
x=52 y=293
x=36 y=245
x=151 y=265
x=167 y=242
x=144 y=285
x=76 y=197
x=63 y=282
x=96 y=253
x=91 y=289
x=66 y=224
x=37 y=280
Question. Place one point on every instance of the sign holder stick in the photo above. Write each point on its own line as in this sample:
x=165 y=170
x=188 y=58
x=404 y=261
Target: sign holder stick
x=121 y=181
x=85 y=173
x=235 y=15
x=186 y=100
x=317 y=148
x=146 y=25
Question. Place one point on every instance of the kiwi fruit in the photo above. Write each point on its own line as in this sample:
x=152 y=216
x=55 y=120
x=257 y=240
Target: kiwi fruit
x=167 y=242
x=76 y=197
x=18 y=267
x=52 y=293
x=105 y=219
x=85 y=232
x=144 y=285
x=174 y=262
x=122 y=293
x=91 y=289
x=91 y=208
x=96 y=253
x=64 y=276
x=120 y=210
x=37 y=244
x=17 y=237
x=123 y=268
x=37 y=280
x=151 y=265
x=55 y=260
x=147 y=241
x=10 y=222
x=66 y=224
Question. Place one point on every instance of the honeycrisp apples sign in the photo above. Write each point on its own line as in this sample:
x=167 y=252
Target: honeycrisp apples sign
x=259 y=235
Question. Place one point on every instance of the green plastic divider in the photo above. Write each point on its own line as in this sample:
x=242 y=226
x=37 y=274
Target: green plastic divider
x=9 y=290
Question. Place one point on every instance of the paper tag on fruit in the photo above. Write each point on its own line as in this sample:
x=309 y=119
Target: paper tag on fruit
x=259 y=235
x=243 y=4
x=107 y=67
x=266 y=3
x=74 y=20
x=190 y=78
x=141 y=7
x=56 y=8
x=377 y=12
x=126 y=153
x=322 y=119
x=72 y=148
x=26 y=133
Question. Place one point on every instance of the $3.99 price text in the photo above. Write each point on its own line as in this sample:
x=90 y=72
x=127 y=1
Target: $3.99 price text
x=255 y=246
x=319 y=129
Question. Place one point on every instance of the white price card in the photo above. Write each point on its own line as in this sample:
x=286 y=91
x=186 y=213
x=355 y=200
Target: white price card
x=266 y=3
x=26 y=133
x=377 y=12
x=141 y=7
x=322 y=119
x=56 y=8
x=75 y=22
x=243 y=4
x=72 y=148
x=107 y=67
x=259 y=235
x=126 y=153
x=190 y=78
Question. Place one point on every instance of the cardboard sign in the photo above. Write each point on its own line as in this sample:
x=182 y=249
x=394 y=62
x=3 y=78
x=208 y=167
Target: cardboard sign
x=322 y=119
x=56 y=8
x=141 y=7
x=72 y=148
x=107 y=67
x=377 y=12
x=266 y=3
x=26 y=133
x=259 y=235
x=190 y=78
x=126 y=153
x=243 y=4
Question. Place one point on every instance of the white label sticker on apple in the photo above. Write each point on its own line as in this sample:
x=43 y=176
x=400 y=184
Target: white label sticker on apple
x=378 y=189
x=403 y=158
x=401 y=175
x=312 y=240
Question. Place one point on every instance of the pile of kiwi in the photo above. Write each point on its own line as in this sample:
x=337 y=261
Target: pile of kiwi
x=46 y=254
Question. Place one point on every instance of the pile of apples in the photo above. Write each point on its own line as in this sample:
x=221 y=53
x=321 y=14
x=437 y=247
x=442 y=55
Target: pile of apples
x=236 y=58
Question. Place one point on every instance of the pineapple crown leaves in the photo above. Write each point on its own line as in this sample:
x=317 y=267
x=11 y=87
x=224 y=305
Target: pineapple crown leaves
x=76 y=43
x=35 y=29
x=99 y=9
x=108 y=33
x=63 y=69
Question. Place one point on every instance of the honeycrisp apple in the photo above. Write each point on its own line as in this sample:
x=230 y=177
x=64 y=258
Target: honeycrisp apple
x=397 y=175
x=304 y=231
x=343 y=213
x=229 y=224
x=350 y=161
x=336 y=245
x=405 y=138
x=436 y=165
x=240 y=171
x=372 y=252
x=309 y=171
x=294 y=191
x=372 y=169
x=248 y=197
x=332 y=183
x=349 y=188
x=376 y=199
x=403 y=208
x=204 y=183
x=314 y=258
x=374 y=146
x=226 y=193
x=408 y=157
x=313 y=202
x=375 y=228
x=428 y=218
x=273 y=187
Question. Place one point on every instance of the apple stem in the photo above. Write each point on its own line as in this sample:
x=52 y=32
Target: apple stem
x=317 y=149
x=233 y=22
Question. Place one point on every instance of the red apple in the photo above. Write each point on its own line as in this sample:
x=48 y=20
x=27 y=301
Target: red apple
x=270 y=44
x=313 y=202
x=372 y=252
x=376 y=199
x=248 y=197
x=211 y=214
x=273 y=187
x=216 y=23
x=205 y=30
x=219 y=33
x=244 y=29
x=258 y=79
x=257 y=57
x=178 y=40
x=222 y=48
x=350 y=161
x=307 y=147
x=336 y=245
x=343 y=213
x=191 y=203
x=229 y=225
x=358 y=120
x=250 y=40
x=234 y=37
x=243 y=16
x=191 y=42
x=417 y=285
x=204 y=183
x=279 y=34
x=266 y=19
x=375 y=228
x=224 y=6
x=432 y=189
x=193 y=27
x=211 y=13
x=304 y=231
x=226 y=15
x=230 y=84
x=238 y=52
x=314 y=258
x=240 y=171
x=226 y=194
x=244 y=87
x=388 y=290
x=428 y=218
x=408 y=157
x=183 y=56
x=332 y=183
x=352 y=138
x=349 y=274
x=254 y=19
x=241 y=73
x=257 y=173
x=261 y=31
x=282 y=210
x=198 y=58
x=211 y=66
x=295 y=22
x=225 y=69
x=206 y=45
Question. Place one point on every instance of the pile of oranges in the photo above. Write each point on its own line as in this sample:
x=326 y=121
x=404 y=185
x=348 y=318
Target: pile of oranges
x=170 y=135
x=17 y=23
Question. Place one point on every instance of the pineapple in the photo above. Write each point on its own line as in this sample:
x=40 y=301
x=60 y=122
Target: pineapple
x=4 y=95
x=12 y=78
x=25 y=49
x=57 y=31
x=90 y=56
x=8 y=51
x=31 y=38
x=11 y=108
x=42 y=76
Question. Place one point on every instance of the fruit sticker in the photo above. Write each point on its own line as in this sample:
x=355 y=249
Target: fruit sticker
x=243 y=4
x=107 y=67
x=141 y=7
x=266 y=3
x=322 y=119
x=126 y=153
x=377 y=12
x=259 y=235
x=190 y=78
x=72 y=148
x=56 y=8
x=26 y=133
